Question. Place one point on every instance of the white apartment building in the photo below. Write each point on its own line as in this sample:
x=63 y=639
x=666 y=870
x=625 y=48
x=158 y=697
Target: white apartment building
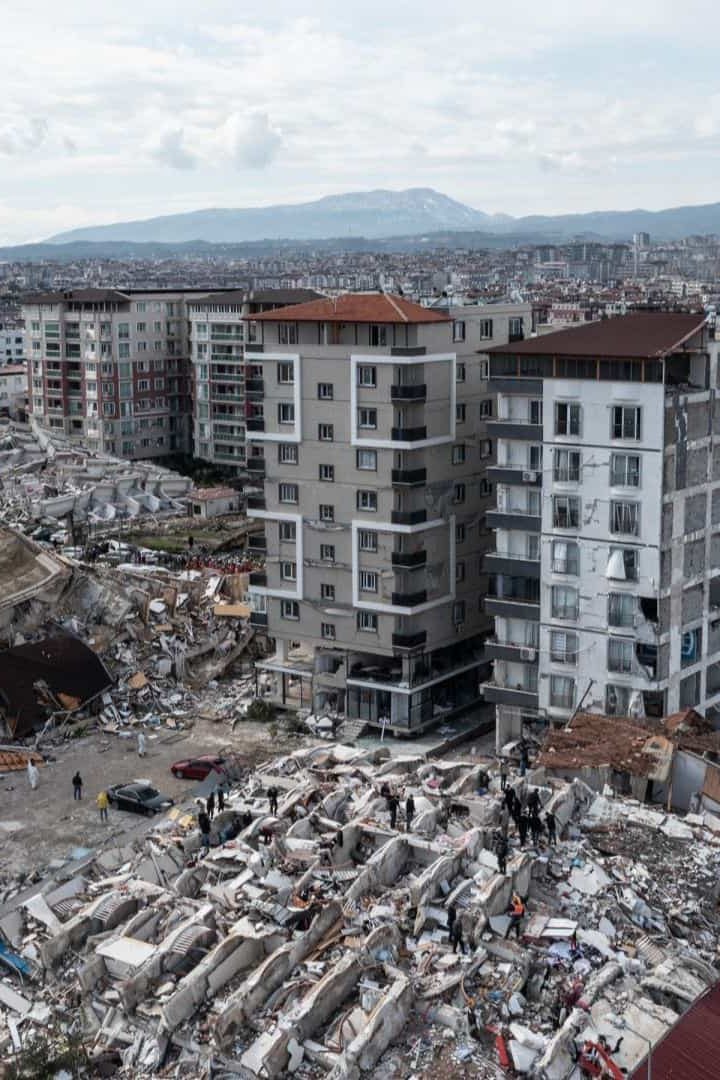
x=13 y=389
x=606 y=588
x=12 y=342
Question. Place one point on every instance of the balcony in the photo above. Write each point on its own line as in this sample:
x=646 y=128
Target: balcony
x=510 y=650
x=255 y=386
x=408 y=517
x=514 y=607
x=409 y=641
x=513 y=474
x=254 y=464
x=258 y=618
x=255 y=423
x=507 y=562
x=410 y=434
x=416 y=393
x=218 y=395
x=258 y=578
x=255 y=502
x=409 y=560
x=400 y=599
x=509 y=695
x=515 y=429
x=498 y=519
x=409 y=477
x=257 y=542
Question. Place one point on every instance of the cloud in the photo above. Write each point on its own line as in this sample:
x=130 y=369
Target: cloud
x=251 y=141
x=169 y=150
x=23 y=136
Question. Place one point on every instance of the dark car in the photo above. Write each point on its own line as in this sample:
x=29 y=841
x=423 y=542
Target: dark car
x=138 y=798
x=200 y=767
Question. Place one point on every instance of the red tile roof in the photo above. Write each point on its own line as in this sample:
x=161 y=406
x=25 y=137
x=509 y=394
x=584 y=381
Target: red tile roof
x=691 y=1048
x=645 y=335
x=355 y=308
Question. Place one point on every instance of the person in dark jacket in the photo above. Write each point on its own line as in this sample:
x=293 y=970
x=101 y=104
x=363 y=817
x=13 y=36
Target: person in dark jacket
x=551 y=826
x=204 y=827
x=77 y=783
x=210 y=805
x=393 y=804
x=409 y=811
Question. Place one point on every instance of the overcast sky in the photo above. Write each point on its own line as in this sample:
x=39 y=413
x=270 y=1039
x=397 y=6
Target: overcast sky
x=119 y=111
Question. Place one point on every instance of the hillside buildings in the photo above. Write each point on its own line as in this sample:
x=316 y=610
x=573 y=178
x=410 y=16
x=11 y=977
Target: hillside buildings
x=605 y=588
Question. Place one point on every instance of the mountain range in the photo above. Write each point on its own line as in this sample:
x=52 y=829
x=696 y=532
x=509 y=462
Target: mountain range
x=381 y=214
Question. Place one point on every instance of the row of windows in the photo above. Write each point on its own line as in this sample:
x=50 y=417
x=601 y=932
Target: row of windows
x=366 y=500
x=622 y=608
x=367 y=540
x=566 y=557
x=624 y=468
x=364 y=620
x=366 y=376
x=624 y=515
x=625 y=420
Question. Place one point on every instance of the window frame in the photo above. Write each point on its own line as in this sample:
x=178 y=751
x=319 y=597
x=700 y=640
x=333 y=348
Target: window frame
x=618 y=423
x=322 y=391
x=326 y=473
x=366 y=495
x=572 y=419
x=368 y=581
x=371 y=419
x=623 y=483
x=371 y=454
x=363 y=545
x=286 y=487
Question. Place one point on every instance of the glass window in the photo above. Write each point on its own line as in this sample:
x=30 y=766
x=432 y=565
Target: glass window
x=459 y=372
x=288 y=571
x=325 y=391
x=621 y=609
x=566 y=512
x=625 y=470
x=567 y=418
x=563 y=647
x=367 y=500
x=458 y=454
x=327 y=552
x=460 y=413
x=287 y=334
x=286 y=412
x=566 y=466
x=327 y=630
x=625 y=422
x=564 y=602
x=626 y=568
x=486 y=328
x=378 y=336
x=459 y=493
x=486 y=408
x=565 y=557
x=286 y=374
x=326 y=512
x=288 y=493
x=459 y=534
x=325 y=432
x=620 y=655
x=367 y=540
x=367 y=418
x=367 y=459
x=562 y=692
x=123 y=330
x=326 y=472
x=327 y=592
x=288 y=530
x=458 y=612
x=368 y=581
x=287 y=453
x=367 y=375
x=289 y=609
x=368 y=621
x=625 y=517
x=459 y=330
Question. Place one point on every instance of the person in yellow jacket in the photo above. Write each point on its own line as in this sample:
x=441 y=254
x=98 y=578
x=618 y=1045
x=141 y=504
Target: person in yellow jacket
x=102 y=804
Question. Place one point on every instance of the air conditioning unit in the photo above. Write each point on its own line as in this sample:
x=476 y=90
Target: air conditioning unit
x=527 y=654
x=529 y=477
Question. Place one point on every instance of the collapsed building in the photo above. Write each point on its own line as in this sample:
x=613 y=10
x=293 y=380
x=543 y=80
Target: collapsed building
x=314 y=940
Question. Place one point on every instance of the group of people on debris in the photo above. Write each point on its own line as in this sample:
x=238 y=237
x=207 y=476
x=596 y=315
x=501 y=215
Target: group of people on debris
x=392 y=804
x=526 y=816
x=216 y=798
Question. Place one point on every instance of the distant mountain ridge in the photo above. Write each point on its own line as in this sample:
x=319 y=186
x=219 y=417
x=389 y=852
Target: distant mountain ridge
x=381 y=214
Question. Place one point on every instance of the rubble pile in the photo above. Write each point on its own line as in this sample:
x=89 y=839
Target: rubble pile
x=330 y=929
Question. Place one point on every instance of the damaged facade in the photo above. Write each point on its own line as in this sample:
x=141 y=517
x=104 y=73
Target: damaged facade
x=314 y=941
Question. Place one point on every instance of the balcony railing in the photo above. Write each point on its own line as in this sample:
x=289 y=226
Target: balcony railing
x=408 y=517
x=255 y=423
x=257 y=542
x=409 y=641
x=410 y=434
x=409 y=560
x=255 y=386
x=258 y=577
x=409 y=477
x=416 y=393
x=256 y=502
x=255 y=464
x=409 y=599
x=258 y=618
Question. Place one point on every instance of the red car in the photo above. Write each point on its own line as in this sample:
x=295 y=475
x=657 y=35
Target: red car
x=200 y=767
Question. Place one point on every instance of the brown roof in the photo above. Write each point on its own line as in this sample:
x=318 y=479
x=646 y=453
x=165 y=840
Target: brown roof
x=207 y=494
x=691 y=1047
x=356 y=308
x=646 y=335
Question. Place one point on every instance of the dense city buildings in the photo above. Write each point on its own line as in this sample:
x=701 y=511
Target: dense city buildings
x=605 y=589
x=12 y=341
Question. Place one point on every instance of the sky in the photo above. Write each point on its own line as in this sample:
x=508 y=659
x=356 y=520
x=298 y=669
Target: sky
x=122 y=111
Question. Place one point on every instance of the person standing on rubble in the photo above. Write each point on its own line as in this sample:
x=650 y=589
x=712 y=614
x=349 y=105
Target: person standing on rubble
x=533 y=801
x=77 y=784
x=393 y=804
x=221 y=799
x=409 y=811
x=517 y=913
x=504 y=820
x=210 y=805
x=551 y=827
x=536 y=826
x=273 y=800
x=102 y=805
x=204 y=827
x=33 y=774
x=501 y=852
x=456 y=937
x=503 y=774
x=523 y=822
x=452 y=916
x=141 y=743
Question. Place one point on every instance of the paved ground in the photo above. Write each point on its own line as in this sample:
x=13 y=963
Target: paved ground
x=39 y=826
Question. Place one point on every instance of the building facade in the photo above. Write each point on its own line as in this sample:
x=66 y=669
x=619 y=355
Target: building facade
x=605 y=587
x=12 y=341
x=367 y=424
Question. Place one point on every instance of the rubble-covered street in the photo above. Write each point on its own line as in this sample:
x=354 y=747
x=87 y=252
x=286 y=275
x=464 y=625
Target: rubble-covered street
x=313 y=938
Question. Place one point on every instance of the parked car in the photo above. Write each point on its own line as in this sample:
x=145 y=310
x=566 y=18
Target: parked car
x=199 y=767
x=138 y=798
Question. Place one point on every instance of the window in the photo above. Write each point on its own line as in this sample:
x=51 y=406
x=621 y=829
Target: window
x=625 y=517
x=562 y=692
x=458 y=454
x=327 y=552
x=327 y=592
x=140 y=327
x=368 y=581
x=367 y=541
x=108 y=388
x=515 y=329
x=459 y=534
x=286 y=412
x=566 y=512
x=566 y=468
x=326 y=472
x=563 y=647
x=535 y=458
x=620 y=655
x=485 y=487
x=532 y=545
x=367 y=500
x=459 y=493
x=143 y=384
x=286 y=374
x=367 y=375
x=460 y=571
x=123 y=350
x=289 y=609
x=288 y=530
x=287 y=453
x=628 y=564
x=459 y=330
x=288 y=493
x=485 y=448
x=288 y=571
x=486 y=329
x=123 y=330
x=327 y=630
x=625 y=422
x=617 y=700
x=326 y=512
x=460 y=411
x=621 y=609
x=367 y=418
x=564 y=602
x=287 y=333
x=378 y=336
x=367 y=459
x=565 y=557
x=108 y=408
x=567 y=418
x=367 y=621
x=325 y=432
x=486 y=408
x=459 y=373
x=625 y=470
x=458 y=612
x=325 y=391
x=536 y=411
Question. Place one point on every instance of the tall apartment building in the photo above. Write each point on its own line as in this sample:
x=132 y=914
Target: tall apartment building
x=111 y=369
x=12 y=341
x=223 y=393
x=606 y=587
x=369 y=422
